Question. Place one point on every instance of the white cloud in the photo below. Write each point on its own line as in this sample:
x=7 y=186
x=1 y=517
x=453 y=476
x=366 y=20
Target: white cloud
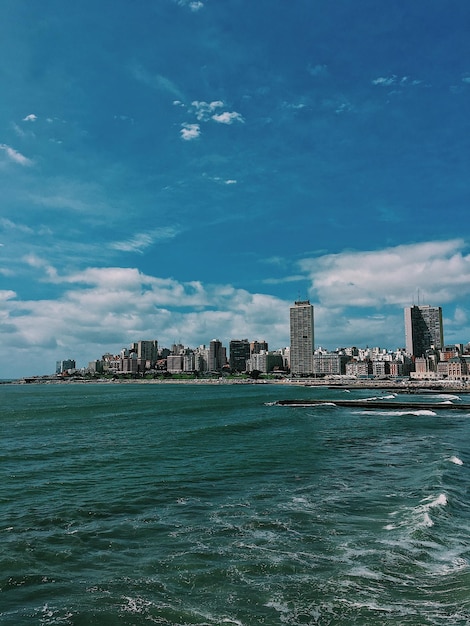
x=15 y=156
x=385 y=81
x=6 y=294
x=190 y=131
x=393 y=79
x=138 y=243
x=440 y=270
x=230 y=181
x=227 y=117
x=7 y=224
x=344 y=107
x=204 y=110
x=193 y=5
x=38 y=263
x=466 y=79
x=104 y=309
x=30 y=118
x=141 y=241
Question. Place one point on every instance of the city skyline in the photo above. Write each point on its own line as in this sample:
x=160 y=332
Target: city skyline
x=424 y=339
x=186 y=170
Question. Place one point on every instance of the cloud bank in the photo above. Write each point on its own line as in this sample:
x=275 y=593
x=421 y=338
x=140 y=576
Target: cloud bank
x=439 y=270
x=358 y=298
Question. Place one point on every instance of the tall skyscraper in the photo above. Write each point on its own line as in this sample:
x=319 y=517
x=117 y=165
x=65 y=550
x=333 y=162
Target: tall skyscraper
x=301 y=338
x=423 y=329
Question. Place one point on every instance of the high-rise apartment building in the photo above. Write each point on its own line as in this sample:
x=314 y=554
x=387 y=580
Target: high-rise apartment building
x=423 y=329
x=239 y=354
x=146 y=350
x=301 y=338
x=217 y=356
x=258 y=346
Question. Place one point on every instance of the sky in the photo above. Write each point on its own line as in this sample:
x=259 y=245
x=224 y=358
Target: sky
x=184 y=170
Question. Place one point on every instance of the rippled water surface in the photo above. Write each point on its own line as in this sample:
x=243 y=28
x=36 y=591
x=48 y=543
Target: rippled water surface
x=206 y=504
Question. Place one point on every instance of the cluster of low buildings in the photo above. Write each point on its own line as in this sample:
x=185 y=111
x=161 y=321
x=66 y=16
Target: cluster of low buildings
x=424 y=357
x=146 y=358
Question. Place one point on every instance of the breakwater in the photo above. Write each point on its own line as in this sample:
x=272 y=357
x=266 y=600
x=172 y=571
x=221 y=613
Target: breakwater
x=377 y=404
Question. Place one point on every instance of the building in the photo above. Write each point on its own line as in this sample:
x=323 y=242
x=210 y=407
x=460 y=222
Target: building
x=147 y=351
x=265 y=362
x=449 y=352
x=174 y=363
x=217 y=357
x=239 y=354
x=95 y=367
x=301 y=338
x=257 y=346
x=201 y=359
x=329 y=363
x=380 y=369
x=359 y=369
x=423 y=329
x=65 y=366
x=397 y=368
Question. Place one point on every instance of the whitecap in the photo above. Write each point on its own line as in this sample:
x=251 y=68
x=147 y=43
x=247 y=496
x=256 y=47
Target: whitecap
x=441 y=500
x=456 y=460
x=278 y=605
x=456 y=565
x=372 y=605
x=135 y=605
x=300 y=499
x=397 y=413
x=427 y=521
x=419 y=516
x=374 y=398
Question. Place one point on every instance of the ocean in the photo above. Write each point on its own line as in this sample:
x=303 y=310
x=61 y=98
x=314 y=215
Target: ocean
x=129 y=504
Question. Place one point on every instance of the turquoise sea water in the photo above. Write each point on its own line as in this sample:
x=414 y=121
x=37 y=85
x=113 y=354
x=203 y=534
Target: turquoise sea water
x=206 y=504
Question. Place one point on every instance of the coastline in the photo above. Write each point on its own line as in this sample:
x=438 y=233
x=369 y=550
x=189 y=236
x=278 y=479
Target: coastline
x=405 y=386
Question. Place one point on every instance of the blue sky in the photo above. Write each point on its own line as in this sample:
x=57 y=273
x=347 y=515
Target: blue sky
x=182 y=170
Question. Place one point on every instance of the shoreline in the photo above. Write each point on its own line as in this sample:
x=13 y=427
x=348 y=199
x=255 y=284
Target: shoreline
x=407 y=386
